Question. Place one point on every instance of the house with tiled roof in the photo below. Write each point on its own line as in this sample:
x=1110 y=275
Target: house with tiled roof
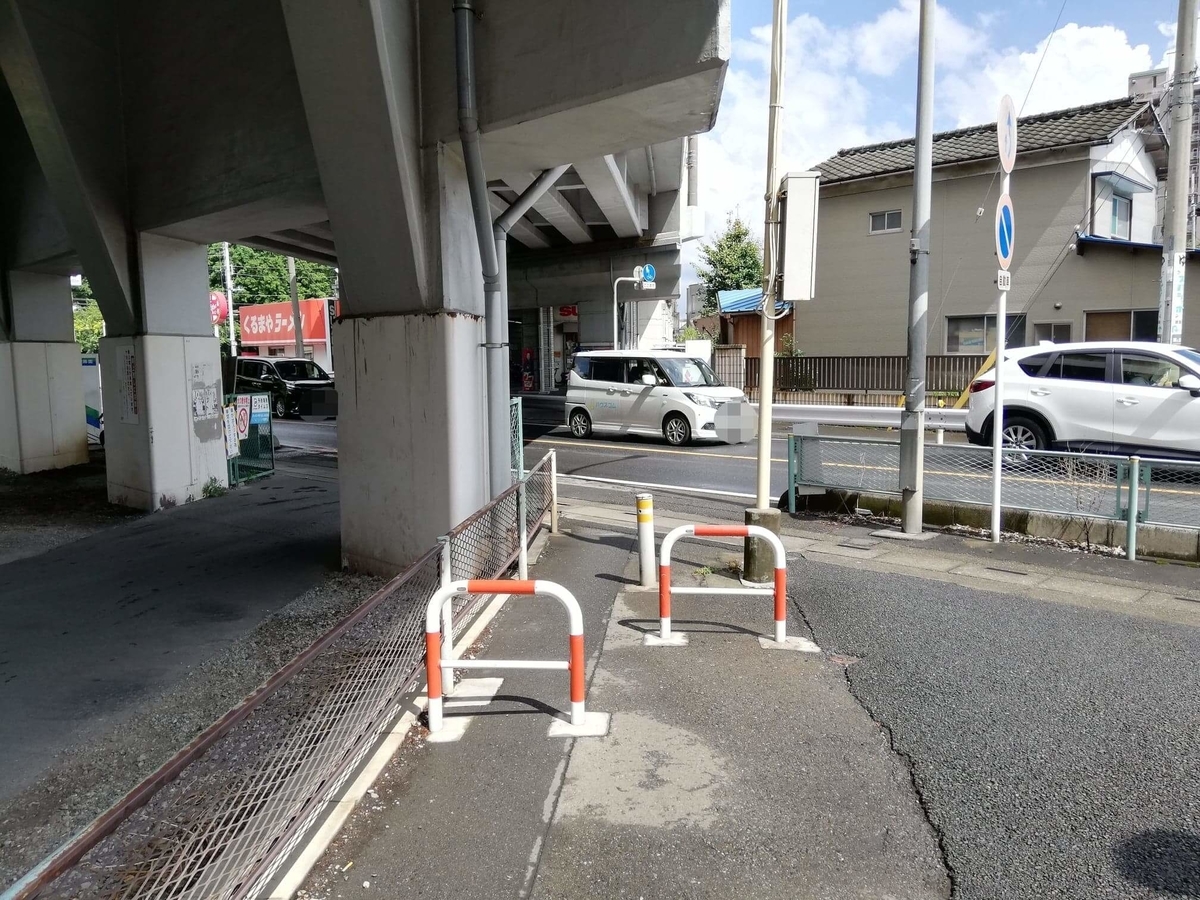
x=1087 y=191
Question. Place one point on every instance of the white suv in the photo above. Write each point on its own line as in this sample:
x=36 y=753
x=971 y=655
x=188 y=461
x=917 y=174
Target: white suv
x=653 y=392
x=1103 y=397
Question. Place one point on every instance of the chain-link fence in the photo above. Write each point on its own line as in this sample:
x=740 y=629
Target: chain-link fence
x=223 y=827
x=1172 y=492
x=516 y=435
x=256 y=451
x=1073 y=484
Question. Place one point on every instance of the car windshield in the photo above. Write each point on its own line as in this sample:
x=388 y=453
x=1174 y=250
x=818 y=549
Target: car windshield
x=299 y=370
x=689 y=372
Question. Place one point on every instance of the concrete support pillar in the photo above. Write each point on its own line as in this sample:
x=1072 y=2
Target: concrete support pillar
x=411 y=427
x=162 y=387
x=42 y=424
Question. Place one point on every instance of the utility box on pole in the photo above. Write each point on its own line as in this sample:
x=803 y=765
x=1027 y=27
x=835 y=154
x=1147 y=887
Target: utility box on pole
x=799 y=194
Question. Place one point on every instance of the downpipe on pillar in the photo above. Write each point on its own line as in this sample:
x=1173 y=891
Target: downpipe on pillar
x=493 y=248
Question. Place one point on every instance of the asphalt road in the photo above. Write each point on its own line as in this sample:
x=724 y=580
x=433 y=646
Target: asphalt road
x=306 y=435
x=712 y=467
x=1054 y=747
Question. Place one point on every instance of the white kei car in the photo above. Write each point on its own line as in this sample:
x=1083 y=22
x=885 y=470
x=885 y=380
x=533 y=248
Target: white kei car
x=1103 y=397
x=645 y=392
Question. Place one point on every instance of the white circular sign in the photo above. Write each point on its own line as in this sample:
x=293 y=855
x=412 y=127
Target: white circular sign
x=1006 y=231
x=736 y=423
x=1006 y=133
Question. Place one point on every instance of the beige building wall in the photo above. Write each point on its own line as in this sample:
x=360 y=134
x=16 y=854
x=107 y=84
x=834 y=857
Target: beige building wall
x=861 y=305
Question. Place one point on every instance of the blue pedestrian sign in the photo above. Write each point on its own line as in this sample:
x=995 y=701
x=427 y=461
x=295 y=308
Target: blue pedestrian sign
x=648 y=272
x=1005 y=231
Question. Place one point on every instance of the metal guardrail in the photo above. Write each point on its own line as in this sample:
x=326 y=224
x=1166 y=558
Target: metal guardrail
x=1083 y=485
x=219 y=818
x=867 y=416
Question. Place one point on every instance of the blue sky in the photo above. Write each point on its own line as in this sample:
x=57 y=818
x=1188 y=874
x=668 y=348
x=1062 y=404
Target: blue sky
x=851 y=76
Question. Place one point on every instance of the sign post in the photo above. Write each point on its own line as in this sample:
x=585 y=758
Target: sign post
x=1005 y=233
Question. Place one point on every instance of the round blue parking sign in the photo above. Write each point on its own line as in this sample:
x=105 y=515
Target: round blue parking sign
x=1005 y=231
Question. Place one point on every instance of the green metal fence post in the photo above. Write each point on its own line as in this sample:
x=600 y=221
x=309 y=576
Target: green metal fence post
x=791 y=479
x=1131 y=514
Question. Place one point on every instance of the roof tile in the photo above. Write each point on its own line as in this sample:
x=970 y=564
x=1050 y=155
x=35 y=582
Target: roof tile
x=1062 y=128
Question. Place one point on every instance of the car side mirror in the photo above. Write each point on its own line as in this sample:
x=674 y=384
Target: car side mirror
x=1191 y=383
x=649 y=379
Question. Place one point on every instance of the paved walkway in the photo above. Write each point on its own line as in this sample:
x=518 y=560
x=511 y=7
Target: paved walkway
x=729 y=770
x=853 y=772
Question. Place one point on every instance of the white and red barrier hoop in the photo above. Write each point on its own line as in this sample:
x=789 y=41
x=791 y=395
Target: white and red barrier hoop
x=667 y=637
x=440 y=663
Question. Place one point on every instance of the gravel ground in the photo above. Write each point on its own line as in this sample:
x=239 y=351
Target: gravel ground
x=1053 y=746
x=41 y=511
x=86 y=780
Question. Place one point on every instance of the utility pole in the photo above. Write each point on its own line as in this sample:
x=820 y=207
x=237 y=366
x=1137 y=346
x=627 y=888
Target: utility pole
x=912 y=422
x=759 y=565
x=299 y=326
x=233 y=348
x=1179 y=165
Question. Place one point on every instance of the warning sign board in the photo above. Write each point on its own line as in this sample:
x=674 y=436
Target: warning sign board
x=243 y=416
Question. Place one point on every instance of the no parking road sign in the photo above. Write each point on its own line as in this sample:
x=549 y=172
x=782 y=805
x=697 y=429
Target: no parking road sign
x=1005 y=231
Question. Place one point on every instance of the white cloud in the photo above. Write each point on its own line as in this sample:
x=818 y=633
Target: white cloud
x=1084 y=64
x=831 y=73
x=887 y=42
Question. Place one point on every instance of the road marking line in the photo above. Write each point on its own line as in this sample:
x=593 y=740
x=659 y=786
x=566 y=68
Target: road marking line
x=627 y=449
x=474 y=692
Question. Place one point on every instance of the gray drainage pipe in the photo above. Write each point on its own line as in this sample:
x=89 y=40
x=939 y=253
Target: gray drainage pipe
x=492 y=249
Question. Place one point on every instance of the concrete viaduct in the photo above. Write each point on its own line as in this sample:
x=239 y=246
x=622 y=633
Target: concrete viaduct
x=135 y=132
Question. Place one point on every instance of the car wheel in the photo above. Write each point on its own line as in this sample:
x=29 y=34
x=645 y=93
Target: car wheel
x=581 y=424
x=676 y=430
x=1023 y=433
x=280 y=408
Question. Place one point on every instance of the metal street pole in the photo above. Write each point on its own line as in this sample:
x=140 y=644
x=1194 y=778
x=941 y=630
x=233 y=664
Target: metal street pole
x=998 y=392
x=616 y=333
x=233 y=347
x=1175 y=216
x=912 y=421
x=291 y=263
x=758 y=566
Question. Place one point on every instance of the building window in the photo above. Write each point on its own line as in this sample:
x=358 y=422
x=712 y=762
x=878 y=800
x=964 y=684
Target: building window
x=977 y=334
x=1054 y=332
x=885 y=222
x=1122 y=215
x=1128 y=325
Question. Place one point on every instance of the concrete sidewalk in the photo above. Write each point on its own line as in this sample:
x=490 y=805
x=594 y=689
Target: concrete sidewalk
x=729 y=769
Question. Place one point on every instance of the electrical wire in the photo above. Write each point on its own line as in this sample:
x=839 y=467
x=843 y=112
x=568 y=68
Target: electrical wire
x=1028 y=92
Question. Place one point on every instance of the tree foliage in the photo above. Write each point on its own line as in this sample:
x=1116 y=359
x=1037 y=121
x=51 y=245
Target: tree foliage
x=731 y=262
x=260 y=276
x=89 y=325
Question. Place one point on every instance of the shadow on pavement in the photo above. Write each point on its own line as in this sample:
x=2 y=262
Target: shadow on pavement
x=1161 y=859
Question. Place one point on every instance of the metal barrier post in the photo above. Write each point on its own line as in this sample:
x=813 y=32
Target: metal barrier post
x=779 y=591
x=645 y=532
x=522 y=533
x=554 y=492
x=582 y=724
x=941 y=436
x=446 y=576
x=1131 y=514
x=791 y=479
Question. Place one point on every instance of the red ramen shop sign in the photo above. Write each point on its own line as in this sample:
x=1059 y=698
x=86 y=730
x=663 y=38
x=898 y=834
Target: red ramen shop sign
x=218 y=307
